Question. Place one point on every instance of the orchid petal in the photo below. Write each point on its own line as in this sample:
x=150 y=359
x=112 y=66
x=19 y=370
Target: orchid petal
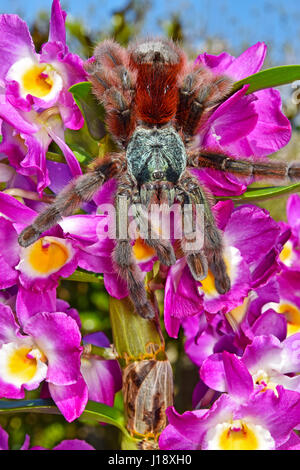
x=15 y=42
x=73 y=444
x=239 y=381
x=71 y=400
x=248 y=63
x=15 y=210
x=58 y=336
x=233 y=119
x=3 y=439
x=9 y=329
x=57 y=30
x=212 y=373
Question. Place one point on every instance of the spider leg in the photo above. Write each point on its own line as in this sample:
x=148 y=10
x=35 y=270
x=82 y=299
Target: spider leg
x=274 y=171
x=158 y=196
x=199 y=92
x=123 y=257
x=196 y=259
x=130 y=272
x=211 y=254
x=78 y=191
x=114 y=85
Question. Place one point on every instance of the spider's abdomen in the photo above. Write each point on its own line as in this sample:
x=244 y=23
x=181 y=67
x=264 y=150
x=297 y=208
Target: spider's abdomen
x=156 y=154
x=157 y=63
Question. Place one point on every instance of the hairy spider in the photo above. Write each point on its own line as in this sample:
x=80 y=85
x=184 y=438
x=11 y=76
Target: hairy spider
x=155 y=101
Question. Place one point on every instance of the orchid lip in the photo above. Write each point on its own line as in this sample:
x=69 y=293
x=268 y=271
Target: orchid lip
x=22 y=363
x=261 y=378
x=287 y=254
x=45 y=257
x=232 y=259
x=290 y=311
x=236 y=316
x=142 y=252
x=239 y=435
x=36 y=79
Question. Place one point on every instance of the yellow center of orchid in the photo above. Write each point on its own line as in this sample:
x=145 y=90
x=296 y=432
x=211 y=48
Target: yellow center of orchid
x=286 y=253
x=21 y=365
x=142 y=251
x=37 y=82
x=48 y=256
x=238 y=436
x=208 y=284
x=292 y=315
x=262 y=378
x=237 y=315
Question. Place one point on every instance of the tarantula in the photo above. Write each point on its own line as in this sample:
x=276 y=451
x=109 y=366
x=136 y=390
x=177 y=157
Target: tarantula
x=155 y=101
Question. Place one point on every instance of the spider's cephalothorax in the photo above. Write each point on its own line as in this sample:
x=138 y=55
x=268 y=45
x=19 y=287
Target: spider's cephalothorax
x=155 y=102
x=156 y=154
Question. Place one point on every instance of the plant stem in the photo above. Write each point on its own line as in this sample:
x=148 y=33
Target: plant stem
x=147 y=373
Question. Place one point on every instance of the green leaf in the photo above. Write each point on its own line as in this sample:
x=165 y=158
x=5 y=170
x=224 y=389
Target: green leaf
x=106 y=353
x=81 y=276
x=82 y=158
x=129 y=443
x=95 y=411
x=37 y=406
x=92 y=110
x=268 y=78
x=258 y=194
x=80 y=141
x=106 y=414
x=55 y=157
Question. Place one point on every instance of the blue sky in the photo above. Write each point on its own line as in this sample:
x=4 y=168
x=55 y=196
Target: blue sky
x=242 y=22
